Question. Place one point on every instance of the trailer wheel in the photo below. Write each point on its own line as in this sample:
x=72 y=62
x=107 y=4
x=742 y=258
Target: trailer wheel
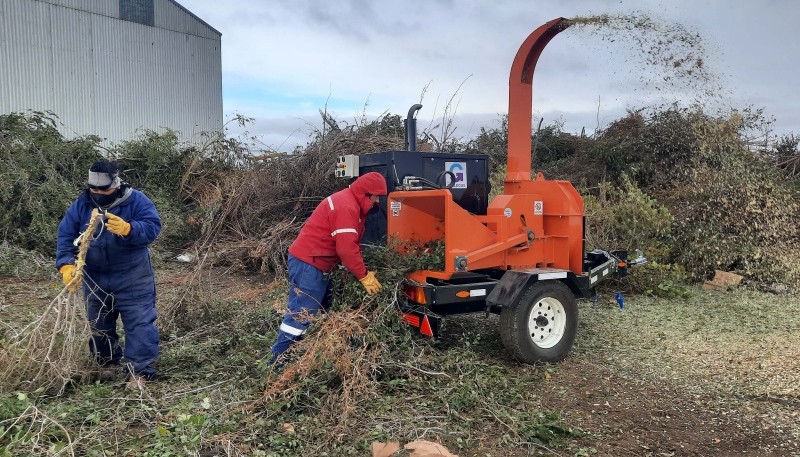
x=542 y=326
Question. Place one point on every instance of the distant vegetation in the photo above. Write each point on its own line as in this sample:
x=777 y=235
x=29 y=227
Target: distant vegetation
x=695 y=192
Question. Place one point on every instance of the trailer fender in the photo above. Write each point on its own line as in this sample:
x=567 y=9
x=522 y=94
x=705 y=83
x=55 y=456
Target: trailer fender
x=514 y=283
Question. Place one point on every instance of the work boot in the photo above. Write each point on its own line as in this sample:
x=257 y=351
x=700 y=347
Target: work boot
x=105 y=374
x=137 y=382
x=278 y=362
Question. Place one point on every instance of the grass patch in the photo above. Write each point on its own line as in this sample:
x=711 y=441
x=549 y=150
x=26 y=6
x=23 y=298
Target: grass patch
x=741 y=342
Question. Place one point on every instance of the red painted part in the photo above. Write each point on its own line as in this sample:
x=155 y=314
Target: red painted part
x=415 y=294
x=411 y=320
x=550 y=211
x=425 y=328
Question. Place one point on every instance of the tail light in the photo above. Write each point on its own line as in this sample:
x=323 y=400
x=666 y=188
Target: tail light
x=415 y=293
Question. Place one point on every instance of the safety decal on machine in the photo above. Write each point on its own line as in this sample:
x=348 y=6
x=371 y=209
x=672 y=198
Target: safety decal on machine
x=395 y=207
x=538 y=207
x=507 y=212
x=459 y=170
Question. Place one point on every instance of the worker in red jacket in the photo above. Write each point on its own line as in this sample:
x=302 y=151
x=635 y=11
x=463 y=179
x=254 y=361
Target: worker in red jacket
x=331 y=235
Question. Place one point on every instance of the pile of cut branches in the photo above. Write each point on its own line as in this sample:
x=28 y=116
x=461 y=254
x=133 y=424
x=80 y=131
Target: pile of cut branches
x=349 y=348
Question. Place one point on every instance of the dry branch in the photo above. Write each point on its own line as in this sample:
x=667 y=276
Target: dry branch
x=50 y=352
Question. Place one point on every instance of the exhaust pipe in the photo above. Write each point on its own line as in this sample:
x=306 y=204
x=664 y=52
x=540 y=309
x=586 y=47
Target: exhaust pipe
x=410 y=124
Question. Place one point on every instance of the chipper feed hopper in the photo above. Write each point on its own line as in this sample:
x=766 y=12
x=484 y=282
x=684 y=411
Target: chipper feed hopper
x=521 y=256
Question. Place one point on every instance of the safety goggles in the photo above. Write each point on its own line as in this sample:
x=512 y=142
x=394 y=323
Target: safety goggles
x=106 y=187
x=96 y=178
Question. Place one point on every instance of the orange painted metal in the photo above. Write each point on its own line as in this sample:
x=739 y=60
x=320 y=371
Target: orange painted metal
x=520 y=98
x=535 y=223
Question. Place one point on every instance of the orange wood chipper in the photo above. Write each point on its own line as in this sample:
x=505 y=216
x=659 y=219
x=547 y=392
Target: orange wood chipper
x=521 y=256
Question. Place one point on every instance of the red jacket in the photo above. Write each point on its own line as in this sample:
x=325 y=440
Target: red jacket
x=332 y=233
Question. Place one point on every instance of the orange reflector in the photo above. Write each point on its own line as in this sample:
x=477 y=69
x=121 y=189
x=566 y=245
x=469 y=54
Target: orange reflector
x=425 y=328
x=415 y=294
x=462 y=294
x=420 y=296
x=622 y=264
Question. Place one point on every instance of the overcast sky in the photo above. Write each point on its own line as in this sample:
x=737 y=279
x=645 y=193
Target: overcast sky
x=283 y=60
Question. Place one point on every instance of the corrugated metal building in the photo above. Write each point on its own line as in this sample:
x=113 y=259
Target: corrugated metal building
x=111 y=67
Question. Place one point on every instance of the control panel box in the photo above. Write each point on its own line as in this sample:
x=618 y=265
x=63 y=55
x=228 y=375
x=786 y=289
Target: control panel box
x=347 y=166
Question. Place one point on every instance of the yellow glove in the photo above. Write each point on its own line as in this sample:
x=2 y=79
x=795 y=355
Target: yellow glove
x=370 y=282
x=67 y=275
x=117 y=225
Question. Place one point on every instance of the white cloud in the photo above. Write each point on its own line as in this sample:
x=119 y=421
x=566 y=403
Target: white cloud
x=383 y=54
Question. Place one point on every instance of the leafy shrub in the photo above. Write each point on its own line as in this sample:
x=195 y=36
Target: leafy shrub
x=652 y=150
x=22 y=263
x=666 y=280
x=677 y=183
x=787 y=154
x=626 y=218
x=170 y=173
x=41 y=172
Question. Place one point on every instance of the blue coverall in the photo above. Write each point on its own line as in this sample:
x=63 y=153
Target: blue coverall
x=309 y=292
x=118 y=280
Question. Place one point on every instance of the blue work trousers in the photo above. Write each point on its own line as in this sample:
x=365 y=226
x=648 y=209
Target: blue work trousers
x=129 y=293
x=309 y=292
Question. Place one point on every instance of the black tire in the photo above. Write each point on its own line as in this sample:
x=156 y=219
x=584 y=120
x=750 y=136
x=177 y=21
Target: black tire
x=554 y=309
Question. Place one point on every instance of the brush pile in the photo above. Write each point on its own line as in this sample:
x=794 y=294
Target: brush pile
x=350 y=348
x=247 y=218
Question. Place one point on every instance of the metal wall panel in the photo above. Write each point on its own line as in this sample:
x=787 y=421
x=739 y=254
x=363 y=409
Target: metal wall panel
x=73 y=74
x=182 y=101
x=105 y=7
x=105 y=76
x=171 y=15
x=25 y=55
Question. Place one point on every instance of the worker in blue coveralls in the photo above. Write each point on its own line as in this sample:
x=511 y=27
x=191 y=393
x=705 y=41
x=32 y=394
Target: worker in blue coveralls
x=118 y=278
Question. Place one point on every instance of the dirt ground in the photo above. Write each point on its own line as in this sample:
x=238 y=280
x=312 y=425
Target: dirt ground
x=659 y=378
x=624 y=416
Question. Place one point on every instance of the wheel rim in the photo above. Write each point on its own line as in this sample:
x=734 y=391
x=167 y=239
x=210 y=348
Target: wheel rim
x=547 y=322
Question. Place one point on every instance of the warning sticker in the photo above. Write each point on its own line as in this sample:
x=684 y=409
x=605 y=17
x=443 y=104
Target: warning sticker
x=507 y=212
x=395 y=207
x=538 y=207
